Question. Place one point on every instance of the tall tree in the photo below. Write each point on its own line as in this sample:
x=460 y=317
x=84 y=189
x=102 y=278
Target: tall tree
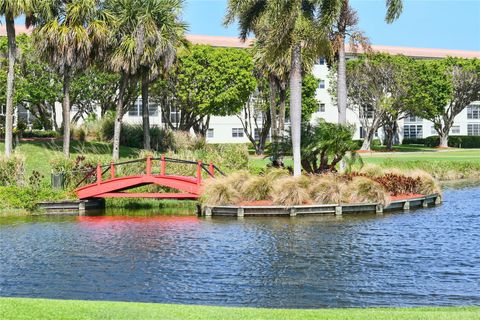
x=11 y=9
x=296 y=28
x=441 y=89
x=163 y=34
x=69 y=34
x=345 y=26
x=377 y=86
x=144 y=45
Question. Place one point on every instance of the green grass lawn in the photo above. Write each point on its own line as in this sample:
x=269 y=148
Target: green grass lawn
x=39 y=153
x=19 y=308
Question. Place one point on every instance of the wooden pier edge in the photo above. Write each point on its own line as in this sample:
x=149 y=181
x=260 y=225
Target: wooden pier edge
x=74 y=207
x=336 y=209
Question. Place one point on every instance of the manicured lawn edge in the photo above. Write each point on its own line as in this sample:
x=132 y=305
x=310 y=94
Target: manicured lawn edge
x=25 y=308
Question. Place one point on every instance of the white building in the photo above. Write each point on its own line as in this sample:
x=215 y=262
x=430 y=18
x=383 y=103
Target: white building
x=229 y=129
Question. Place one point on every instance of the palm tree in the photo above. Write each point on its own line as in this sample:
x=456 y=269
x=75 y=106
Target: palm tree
x=69 y=35
x=345 y=25
x=163 y=33
x=296 y=28
x=299 y=27
x=11 y=9
x=145 y=43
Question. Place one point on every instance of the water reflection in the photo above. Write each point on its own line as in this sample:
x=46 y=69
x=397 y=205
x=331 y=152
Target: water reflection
x=425 y=257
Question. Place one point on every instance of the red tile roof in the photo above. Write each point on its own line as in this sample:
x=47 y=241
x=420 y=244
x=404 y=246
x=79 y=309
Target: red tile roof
x=237 y=43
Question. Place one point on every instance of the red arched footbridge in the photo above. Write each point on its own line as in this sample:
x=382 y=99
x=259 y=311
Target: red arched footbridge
x=107 y=183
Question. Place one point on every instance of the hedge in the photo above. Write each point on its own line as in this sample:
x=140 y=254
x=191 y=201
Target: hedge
x=413 y=141
x=40 y=134
x=455 y=141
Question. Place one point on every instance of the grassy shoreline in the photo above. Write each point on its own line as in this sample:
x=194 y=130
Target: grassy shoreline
x=26 y=308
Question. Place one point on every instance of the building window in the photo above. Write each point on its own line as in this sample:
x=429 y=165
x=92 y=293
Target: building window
x=412 y=118
x=174 y=116
x=412 y=131
x=321 y=61
x=473 y=111
x=366 y=112
x=210 y=133
x=321 y=107
x=473 y=129
x=136 y=109
x=237 y=132
x=321 y=84
x=455 y=130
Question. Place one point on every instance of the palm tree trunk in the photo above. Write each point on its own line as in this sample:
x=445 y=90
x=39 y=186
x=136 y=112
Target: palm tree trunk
x=66 y=113
x=118 y=118
x=273 y=107
x=342 y=84
x=296 y=107
x=12 y=48
x=145 y=112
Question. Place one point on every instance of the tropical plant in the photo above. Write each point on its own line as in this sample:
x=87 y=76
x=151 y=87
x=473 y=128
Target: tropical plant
x=68 y=35
x=144 y=44
x=11 y=9
x=296 y=29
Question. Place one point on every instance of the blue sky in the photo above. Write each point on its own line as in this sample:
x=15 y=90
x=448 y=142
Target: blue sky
x=446 y=24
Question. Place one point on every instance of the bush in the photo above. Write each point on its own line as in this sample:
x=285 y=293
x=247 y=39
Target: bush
x=15 y=197
x=365 y=190
x=291 y=191
x=413 y=141
x=12 y=170
x=40 y=134
x=359 y=142
x=455 y=141
x=219 y=192
x=326 y=189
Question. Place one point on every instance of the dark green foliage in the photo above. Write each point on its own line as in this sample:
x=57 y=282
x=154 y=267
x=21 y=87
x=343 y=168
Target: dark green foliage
x=15 y=197
x=455 y=141
x=375 y=143
x=324 y=145
x=40 y=134
x=413 y=141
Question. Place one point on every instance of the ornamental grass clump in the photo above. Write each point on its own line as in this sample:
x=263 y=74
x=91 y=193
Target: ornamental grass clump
x=290 y=191
x=371 y=170
x=257 y=188
x=238 y=179
x=12 y=170
x=427 y=184
x=219 y=192
x=326 y=189
x=365 y=190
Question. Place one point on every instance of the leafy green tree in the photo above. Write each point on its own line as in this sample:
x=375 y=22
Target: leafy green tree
x=68 y=35
x=11 y=9
x=94 y=88
x=441 y=89
x=377 y=86
x=206 y=82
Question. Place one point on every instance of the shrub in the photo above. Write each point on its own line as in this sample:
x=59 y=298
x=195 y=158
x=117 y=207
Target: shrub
x=455 y=141
x=219 y=192
x=238 y=179
x=371 y=170
x=397 y=184
x=413 y=141
x=375 y=143
x=40 y=134
x=365 y=190
x=12 y=170
x=427 y=184
x=290 y=191
x=326 y=189
x=257 y=188
x=15 y=197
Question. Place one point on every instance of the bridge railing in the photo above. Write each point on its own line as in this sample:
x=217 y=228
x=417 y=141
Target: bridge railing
x=96 y=175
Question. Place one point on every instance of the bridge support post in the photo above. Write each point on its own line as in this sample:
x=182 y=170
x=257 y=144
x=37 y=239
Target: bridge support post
x=163 y=165
x=99 y=173
x=112 y=169
x=199 y=172
x=211 y=169
x=149 y=165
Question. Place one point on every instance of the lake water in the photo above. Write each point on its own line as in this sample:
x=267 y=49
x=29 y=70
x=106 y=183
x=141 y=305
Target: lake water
x=424 y=257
